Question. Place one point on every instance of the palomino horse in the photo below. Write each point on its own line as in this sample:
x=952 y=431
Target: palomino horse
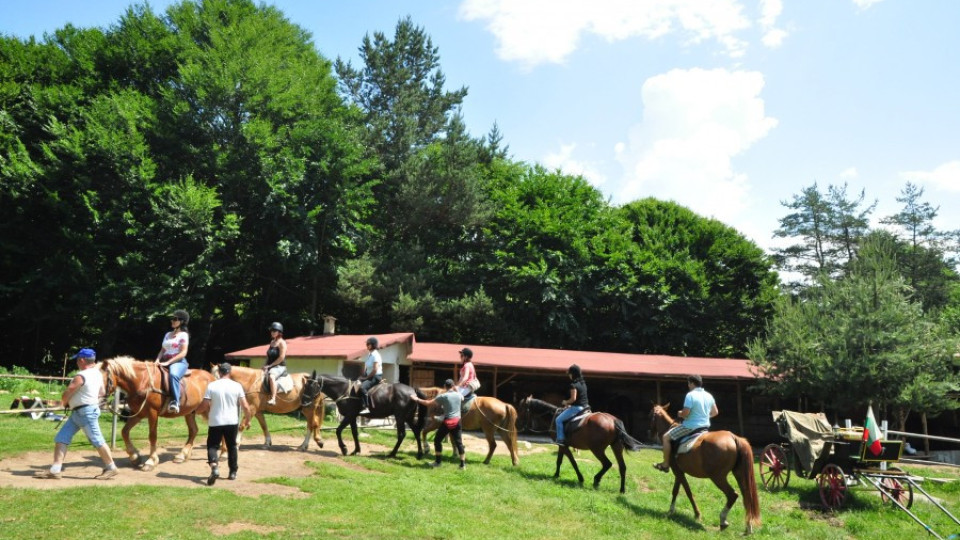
x=252 y=382
x=386 y=399
x=595 y=433
x=486 y=413
x=141 y=382
x=714 y=455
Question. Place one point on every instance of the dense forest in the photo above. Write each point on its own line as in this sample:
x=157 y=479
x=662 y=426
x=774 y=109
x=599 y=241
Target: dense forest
x=208 y=158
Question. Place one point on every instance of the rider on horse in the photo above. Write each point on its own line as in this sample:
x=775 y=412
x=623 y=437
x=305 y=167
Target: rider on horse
x=372 y=373
x=698 y=408
x=577 y=401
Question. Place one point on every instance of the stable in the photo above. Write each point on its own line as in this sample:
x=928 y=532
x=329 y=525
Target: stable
x=625 y=385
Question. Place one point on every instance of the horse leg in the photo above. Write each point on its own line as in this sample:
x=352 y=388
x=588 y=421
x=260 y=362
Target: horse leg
x=732 y=496
x=132 y=452
x=416 y=434
x=605 y=464
x=267 y=441
x=565 y=450
x=343 y=423
x=680 y=479
x=153 y=460
x=401 y=434
x=192 y=430
x=312 y=429
x=491 y=442
x=510 y=439
x=356 y=437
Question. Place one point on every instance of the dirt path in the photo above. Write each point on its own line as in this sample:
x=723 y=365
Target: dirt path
x=255 y=463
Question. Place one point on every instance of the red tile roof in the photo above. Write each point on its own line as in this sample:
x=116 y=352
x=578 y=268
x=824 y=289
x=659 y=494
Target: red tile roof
x=341 y=346
x=353 y=347
x=592 y=363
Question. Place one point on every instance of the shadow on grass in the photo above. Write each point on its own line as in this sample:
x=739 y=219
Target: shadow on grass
x=686 y=521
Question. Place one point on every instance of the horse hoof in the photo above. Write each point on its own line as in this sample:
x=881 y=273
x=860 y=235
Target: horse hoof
x=355 y=453
x=723 y=526
x=179 y=459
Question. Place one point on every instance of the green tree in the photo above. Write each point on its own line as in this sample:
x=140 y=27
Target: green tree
x=850 y=340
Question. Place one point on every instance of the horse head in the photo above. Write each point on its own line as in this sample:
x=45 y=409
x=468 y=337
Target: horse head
x=660 y=420
x=312 y=387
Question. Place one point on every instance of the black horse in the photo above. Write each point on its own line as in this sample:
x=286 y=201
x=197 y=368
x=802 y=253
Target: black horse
x=596 y=433
x=386 y=399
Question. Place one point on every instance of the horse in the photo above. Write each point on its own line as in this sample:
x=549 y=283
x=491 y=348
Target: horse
x=142 y=383
x=714 y=455
x=252 y=382
x=386 y=399
x=486 y=413
x=597 y=432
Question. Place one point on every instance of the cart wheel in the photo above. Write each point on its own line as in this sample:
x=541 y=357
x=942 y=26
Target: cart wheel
x=774 y=468
x=901 y=491
x=833 y=486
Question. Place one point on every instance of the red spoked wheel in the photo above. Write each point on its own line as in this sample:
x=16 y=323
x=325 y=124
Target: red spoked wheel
x=774 y=468
x=901 y=491
x=833 y=486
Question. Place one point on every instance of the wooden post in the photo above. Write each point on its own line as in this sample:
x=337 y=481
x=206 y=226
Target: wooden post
x=740 y=408
x=113 y=428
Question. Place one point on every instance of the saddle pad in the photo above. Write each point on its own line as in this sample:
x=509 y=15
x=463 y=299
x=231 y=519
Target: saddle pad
x=467 y=403
x=284 y=383
x=574 y=423
x=687 y=444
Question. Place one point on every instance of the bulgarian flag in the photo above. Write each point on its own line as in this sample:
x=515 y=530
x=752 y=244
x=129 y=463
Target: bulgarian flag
x=871 y=433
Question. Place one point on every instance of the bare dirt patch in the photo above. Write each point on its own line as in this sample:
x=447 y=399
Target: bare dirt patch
x=256 y=463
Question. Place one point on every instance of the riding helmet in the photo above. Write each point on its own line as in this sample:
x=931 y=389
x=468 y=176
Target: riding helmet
x=182 y=315
x=276 y=326
x=373 y=341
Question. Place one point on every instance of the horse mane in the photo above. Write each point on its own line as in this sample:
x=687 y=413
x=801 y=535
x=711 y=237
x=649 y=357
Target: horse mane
x=431 y=391
x=123 y=365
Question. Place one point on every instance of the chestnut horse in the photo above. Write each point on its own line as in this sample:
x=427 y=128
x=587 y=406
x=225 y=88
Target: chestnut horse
x=386 y=399
x=596 y=433
x=141 y=382
x=714 y=455
x=486 y=413
x=252 y=382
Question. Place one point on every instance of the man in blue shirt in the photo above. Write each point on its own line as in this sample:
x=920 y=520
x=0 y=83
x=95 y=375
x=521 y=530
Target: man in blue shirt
x=698 y=408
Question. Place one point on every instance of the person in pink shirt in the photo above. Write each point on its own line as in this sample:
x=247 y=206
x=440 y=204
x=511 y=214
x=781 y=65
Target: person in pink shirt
x=468 y=383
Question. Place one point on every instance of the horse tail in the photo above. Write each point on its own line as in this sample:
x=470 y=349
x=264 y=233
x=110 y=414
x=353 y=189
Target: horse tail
x=626 y=440
x=421 y=410
x=743 y=471
x=510 y=423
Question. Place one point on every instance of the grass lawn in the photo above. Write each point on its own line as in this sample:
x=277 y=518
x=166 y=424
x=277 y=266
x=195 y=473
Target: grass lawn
x=403 y=498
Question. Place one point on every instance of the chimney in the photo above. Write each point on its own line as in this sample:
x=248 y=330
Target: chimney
x=329 y=325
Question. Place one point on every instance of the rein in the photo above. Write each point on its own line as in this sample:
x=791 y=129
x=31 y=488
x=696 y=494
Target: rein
x=542 y=414
x=143 y=404
x=476 y=406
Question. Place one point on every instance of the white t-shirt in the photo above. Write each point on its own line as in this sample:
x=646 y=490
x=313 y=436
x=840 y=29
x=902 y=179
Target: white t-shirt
x=373 y=358
x=174 y=343
x=89 y=392
x=224 y=395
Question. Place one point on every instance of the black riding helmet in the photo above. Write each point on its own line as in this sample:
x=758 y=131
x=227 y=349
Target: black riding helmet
x=182 y=316
x=373 y=341
x=276 y=326
x=575 y=371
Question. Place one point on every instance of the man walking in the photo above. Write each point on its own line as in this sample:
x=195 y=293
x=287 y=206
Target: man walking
x=225 y=396
x=83 y=397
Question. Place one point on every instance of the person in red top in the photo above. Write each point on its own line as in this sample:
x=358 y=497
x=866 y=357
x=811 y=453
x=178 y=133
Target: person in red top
x=468 y=382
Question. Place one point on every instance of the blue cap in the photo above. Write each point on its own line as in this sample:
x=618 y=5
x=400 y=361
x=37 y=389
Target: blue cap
x=84 y=353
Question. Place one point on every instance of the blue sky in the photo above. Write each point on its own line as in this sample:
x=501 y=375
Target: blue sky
x=727 y=107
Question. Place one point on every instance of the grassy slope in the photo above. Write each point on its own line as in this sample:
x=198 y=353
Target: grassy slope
x=403 y=498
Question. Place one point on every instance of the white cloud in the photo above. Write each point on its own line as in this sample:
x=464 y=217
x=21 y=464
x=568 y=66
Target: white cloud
x=563 y=159
x=770 y=10
x=695 y=122
x=865 y=4
x=849 y=172
x=945 y=177
x=538 y=31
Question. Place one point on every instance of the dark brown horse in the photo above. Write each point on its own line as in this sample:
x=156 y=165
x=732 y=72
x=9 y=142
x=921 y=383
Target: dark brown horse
x=141 y=382
x=714 y=455
x=386 y=399
x=596 y=433
x=252 y=382
x=487 y=413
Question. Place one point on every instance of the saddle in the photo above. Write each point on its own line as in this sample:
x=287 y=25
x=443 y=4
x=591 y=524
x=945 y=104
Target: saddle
x=685 y=444
x=165 y=383
x=467 y=403
x=284 y=383
x=574 y=423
